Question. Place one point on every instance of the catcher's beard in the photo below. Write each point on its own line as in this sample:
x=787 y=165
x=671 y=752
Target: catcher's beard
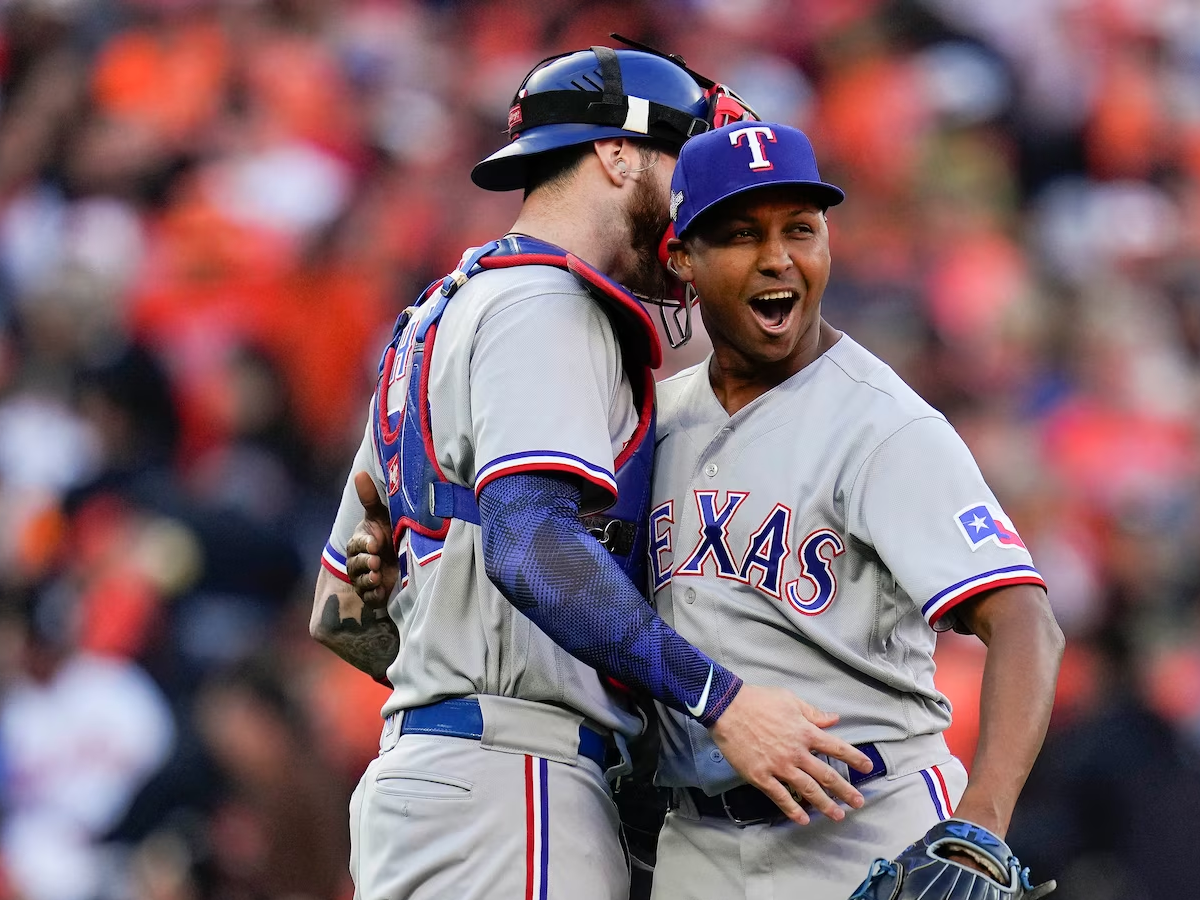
x=647 y=219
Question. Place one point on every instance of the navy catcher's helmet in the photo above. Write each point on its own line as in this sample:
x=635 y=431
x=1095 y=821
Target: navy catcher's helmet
x=601 y=93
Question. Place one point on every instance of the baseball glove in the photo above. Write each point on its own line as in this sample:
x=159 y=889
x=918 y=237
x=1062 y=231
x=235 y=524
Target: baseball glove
x=928 y=870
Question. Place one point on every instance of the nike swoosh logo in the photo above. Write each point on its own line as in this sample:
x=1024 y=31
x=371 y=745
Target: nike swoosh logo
x=698 y=709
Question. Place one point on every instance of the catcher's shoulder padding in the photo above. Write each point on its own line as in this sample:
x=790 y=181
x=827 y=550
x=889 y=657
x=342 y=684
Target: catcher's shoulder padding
x=926 y=870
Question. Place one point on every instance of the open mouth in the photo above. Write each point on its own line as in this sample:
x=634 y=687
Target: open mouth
x=772 y=309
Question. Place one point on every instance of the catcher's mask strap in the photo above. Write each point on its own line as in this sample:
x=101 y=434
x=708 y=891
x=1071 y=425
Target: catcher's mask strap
x=610 y=72
x=617 y=109
x=627 y=112
x=725 y=105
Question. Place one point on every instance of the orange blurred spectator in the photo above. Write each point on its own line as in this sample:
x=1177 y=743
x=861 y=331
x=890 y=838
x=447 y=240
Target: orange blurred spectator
x=872 y=115
x=170 y=75
x=1130 y=134
x=302 y=91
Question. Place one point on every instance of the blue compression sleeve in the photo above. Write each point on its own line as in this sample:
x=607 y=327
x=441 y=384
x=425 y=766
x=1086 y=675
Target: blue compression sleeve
x=543 y=560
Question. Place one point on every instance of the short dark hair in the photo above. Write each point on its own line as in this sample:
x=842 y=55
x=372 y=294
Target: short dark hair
x=554 y=168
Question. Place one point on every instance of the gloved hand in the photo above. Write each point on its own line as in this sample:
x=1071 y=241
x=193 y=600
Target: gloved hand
x=929 y=870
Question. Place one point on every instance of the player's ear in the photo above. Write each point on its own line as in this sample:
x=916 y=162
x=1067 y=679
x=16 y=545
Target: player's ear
x=679 y=260
x=614 y=155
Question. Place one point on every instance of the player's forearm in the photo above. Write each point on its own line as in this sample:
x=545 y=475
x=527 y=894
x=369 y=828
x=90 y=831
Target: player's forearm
x=541 y=558
x=366 y=638
x=1024 y=651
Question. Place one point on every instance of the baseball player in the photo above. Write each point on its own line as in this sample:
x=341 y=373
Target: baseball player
x=510 y=437
x=814 y=523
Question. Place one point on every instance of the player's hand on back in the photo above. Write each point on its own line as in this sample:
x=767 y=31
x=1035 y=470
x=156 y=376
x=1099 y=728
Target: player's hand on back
x=371 y=559
x=769 y=735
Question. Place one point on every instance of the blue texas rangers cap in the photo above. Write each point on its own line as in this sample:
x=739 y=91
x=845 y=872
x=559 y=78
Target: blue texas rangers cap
x=741 y=157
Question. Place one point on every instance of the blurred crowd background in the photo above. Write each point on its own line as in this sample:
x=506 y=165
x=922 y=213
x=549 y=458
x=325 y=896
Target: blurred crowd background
x=211 y=212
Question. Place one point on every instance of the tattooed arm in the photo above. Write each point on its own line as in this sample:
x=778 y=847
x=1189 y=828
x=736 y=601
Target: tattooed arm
x=363 y=636
x=351 y=618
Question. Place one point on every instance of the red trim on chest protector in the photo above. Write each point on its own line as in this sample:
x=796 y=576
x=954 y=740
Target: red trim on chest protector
x=643 y=425
x=576 y=266
x=426 y=428
x=423 y=400
x=389 y=360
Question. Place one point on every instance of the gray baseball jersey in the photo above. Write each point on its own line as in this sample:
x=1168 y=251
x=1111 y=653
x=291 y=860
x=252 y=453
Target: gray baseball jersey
x=494 y=413
x=815 y=540
x=519 y=812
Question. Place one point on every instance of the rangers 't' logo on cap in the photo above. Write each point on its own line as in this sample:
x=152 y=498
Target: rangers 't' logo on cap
x=753 y=136
x=676 y=199
x=743 y=156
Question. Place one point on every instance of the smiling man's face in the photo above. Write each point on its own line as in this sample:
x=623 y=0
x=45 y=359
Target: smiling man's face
x=759 y=263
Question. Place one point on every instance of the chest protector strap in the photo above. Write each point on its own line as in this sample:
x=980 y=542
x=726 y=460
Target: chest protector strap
x=419 y=496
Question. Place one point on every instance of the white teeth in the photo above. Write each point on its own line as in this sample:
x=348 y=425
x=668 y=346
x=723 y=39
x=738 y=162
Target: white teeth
x=776 y=295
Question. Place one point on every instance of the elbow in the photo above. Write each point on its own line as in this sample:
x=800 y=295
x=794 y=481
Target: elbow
x=1047 y=634
x=513 y=575
x=326 y=614
x=1054 y=636
x=318 y=632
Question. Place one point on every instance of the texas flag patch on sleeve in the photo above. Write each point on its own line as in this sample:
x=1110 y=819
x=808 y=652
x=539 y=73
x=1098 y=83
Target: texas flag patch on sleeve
x=979 y=525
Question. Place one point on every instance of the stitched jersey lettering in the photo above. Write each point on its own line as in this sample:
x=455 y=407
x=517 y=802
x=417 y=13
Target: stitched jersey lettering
x=767 y=550
x=714 y=534
x=660 y=543
x=817 y=553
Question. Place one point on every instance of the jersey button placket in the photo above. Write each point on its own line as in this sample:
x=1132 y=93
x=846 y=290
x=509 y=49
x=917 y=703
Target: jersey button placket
x=711 y=470
x=689 y=596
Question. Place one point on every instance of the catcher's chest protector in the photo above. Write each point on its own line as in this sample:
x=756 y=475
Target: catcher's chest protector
x=420 y=498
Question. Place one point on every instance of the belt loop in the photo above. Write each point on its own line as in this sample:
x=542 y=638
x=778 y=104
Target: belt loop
x=681 y=800
x=878 y=767
x=742 y=823
x=613 y=774
x=391 y=731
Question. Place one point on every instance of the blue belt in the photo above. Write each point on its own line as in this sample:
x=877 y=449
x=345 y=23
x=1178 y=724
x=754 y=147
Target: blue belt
x=461 y=717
